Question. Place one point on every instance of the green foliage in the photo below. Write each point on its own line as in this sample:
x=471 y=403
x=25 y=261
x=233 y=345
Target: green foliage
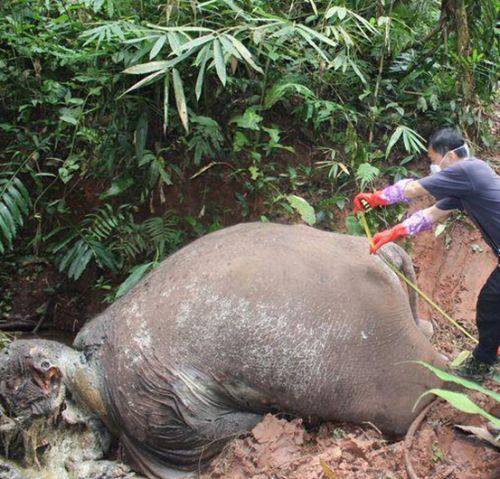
x=119 y=116
x=461 y=402
x=366 y=173
x=4 y=339
x=136 y=274
x=305 y=210
x=411 y=139
x=113 y=240
x=458 y=400
x=353 y=227
x=15 y=203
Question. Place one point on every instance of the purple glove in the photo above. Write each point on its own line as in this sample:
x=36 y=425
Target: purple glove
x=396 y=192
x=417 y=222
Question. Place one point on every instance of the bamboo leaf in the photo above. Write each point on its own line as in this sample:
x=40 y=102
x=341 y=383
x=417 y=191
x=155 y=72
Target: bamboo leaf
x=393 y=140
x=147 y=67
x=357 y=71
x=180 y=99
x=318 y=35
x=181 y=29
x=244 y=52
x=201 y=73
x=445 y=376
x=173 y=41
x=166 y=91
x=220 y=66
x=405 y=141
x=144 y=81
x=137 y=274
x=314 y=7
x=228 y=47
x=157 y=46
x=193 y=44
x=461 y=402
x=309 y=40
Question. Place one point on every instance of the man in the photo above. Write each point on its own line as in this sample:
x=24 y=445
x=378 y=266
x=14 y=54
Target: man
x=457 y=181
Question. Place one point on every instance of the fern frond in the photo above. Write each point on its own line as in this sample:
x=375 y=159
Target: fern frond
x=15 y=203
x=163 y=233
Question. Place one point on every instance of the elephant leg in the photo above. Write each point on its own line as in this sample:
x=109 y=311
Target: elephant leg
x=230 y=425
x=207 y=438
x=398 y=257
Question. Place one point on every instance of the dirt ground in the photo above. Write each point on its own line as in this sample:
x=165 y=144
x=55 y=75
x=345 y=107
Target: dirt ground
x=451 y=269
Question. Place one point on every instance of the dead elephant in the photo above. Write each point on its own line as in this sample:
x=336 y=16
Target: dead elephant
x=253 y=318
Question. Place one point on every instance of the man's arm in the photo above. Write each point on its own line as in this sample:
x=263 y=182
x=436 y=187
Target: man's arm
x=415 y=190
x=402 y=191
x=435 y=214
x=451 y=182
x=422 y=220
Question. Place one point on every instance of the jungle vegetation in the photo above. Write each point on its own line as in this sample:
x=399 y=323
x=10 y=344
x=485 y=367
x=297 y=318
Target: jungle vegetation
x=129 y=127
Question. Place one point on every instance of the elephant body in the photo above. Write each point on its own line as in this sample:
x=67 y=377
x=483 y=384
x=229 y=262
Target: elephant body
x=251 y=319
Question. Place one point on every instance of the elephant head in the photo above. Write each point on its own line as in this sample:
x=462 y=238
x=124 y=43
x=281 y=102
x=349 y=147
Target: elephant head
x=31 y=382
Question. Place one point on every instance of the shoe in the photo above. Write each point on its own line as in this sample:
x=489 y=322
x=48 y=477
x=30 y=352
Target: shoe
x=474 y=370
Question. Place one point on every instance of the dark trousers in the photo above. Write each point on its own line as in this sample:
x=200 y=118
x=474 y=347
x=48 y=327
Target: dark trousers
x=488 y=319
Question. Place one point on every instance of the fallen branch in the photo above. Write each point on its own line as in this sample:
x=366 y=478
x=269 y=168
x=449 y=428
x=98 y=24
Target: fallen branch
x=18 y=325
x=409 y=439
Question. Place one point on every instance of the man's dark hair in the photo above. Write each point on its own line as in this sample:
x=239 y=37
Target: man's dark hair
x=447 y=139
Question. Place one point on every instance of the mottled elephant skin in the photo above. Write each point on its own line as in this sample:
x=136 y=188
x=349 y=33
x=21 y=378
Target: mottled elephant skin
x=254 y=318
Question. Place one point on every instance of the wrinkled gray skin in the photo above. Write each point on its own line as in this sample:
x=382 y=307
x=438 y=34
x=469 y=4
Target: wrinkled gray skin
x=251 y=319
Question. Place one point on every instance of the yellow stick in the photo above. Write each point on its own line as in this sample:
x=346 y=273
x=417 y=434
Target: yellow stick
x=364 y=224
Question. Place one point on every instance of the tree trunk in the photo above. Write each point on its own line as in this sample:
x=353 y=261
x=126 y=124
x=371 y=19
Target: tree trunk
x=455 y=11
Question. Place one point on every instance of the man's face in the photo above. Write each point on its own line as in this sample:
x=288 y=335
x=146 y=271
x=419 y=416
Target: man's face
x=442 y=160
x=434 y=156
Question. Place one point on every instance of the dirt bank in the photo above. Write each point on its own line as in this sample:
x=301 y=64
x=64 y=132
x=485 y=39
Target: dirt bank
x=452 y=269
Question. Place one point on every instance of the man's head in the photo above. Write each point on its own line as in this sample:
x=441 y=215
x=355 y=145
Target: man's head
x=446 y=146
